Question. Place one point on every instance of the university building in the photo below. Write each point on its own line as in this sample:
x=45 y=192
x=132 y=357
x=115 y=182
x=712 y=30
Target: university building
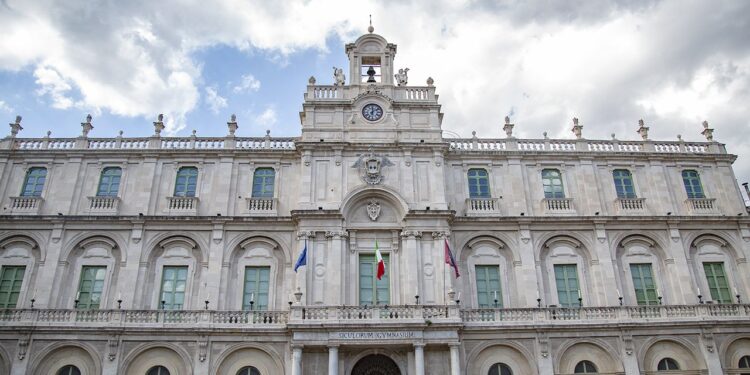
x=177 y=255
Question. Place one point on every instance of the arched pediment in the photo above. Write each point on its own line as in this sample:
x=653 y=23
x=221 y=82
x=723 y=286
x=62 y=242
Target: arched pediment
x=18 y=241
x=262 y=241
x=373 y=206
x=563 y=241
x=173 y=242
x=98 y=241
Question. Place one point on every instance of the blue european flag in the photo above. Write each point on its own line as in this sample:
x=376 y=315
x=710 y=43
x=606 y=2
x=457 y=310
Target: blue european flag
x=302 y=260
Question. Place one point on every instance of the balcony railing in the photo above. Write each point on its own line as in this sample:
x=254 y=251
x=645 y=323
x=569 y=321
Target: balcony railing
x=25 y=205
x=419 y=314
x=262 y=206
x=155 y=142
x=701 y=206
x=182 y=205
x=104 y=205
x=558 y=205
x=482 y=206
x=476 y=144
x=626 y=206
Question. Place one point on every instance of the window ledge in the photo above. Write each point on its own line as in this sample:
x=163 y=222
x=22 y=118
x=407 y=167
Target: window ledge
x=104 y=205
x=482 y=206
x=182 y=205
x=25 y=205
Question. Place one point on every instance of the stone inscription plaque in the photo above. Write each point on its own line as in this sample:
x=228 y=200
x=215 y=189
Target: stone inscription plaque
x=379 y=335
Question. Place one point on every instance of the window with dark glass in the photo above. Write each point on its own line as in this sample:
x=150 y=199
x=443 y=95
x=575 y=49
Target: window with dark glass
x=623 y=183
x=11 y=278
x=34 y=182
x=693 y=186
x=187 y=179
x=263 y=181
x=256 y=288
x=158 y=370
x=69 y=370
x=667 y=364
x=552 y=184
x=479 y=183
x=500 y=369
x=585 y=367
x=248 y=370
x=744 y=363
x=109 y=182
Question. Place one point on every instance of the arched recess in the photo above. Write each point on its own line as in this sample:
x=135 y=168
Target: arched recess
x=145 y=356
x=737 y=348
x=22 y=251
x=175 y=251
x=487 y=251
x=399 y=358
x=389 y=205
x=231 y=360
x=709 y=248
x=94 y=251
x=54 y=356
x=596 y=352
x=565 y=252
x=687 y=357
x=638 y=251
x=517 y=358
x=5 y=361
x=256 y=251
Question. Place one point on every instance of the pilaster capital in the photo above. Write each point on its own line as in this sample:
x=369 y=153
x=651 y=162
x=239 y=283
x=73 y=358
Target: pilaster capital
x=303 y=235
x=411 y=234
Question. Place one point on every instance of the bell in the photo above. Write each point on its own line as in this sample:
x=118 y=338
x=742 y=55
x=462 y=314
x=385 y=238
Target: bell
x=371 y=75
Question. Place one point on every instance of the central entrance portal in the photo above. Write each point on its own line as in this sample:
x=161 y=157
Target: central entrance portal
x=376 y=364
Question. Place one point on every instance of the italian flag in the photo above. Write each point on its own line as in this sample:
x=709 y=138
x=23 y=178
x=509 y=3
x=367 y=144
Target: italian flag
x=381 y=263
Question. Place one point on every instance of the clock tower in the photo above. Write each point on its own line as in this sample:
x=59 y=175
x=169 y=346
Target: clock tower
x=374 y=104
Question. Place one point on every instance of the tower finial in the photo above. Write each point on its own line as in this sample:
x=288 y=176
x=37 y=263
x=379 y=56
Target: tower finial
x=370 y=28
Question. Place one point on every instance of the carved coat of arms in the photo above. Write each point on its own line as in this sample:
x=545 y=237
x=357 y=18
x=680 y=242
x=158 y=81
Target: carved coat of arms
x=373 y=210
x=370 y=166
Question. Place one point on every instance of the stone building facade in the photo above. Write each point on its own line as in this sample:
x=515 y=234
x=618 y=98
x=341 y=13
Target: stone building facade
x=172 y=255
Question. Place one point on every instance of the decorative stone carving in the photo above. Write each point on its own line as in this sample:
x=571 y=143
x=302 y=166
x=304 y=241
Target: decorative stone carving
x=86 y=126
x=112 y=344
x=411 y=234
x=336 y=234
x=311 y=80
x=370 y=167
x=232 y=124
x=339 y=79
x=402 y=77
x=707 y=132
x=159 y=124
x=15 y=127
x=373 y=210
x=508 y=128
x=577 y=129
x=642 y=130
x=23 y=344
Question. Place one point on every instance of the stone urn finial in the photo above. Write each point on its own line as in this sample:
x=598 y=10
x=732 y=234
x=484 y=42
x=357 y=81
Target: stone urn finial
x=508 y=127
x=642 y=130
x=232 y=124
x=430 y=81
x=577 y=129
x=86 y=126
x=707 y=132
x=15 y=127
x=159 y=124
x=311 y=81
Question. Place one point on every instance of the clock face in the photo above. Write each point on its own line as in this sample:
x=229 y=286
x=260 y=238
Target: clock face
x=372 y=112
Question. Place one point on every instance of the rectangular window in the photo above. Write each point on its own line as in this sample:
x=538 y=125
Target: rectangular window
x=623 y=183
x=552 y=184
x=11 y=279
x=488 y=286
x=566 y=280
x=256 y=288
x=479 y=183
x=643 y=282
x=109 y=182
x=187 y=179
x=34 y=182
x=91 y=286
x=717 y=282
x=263 y=180
x=371 y=290
x=173 y=284
x=693 y=186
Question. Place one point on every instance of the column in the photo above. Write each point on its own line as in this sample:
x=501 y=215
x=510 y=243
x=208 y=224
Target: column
x=419 y=358
x=296 y=359
x=455 y=358
x=333 y=360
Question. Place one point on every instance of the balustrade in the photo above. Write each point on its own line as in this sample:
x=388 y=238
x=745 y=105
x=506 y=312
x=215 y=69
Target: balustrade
x=482 y=206
x=262 y=206
x=104 y=205
x=558 y=205
x=183 y=205
x=25 y=205
x=701 y=206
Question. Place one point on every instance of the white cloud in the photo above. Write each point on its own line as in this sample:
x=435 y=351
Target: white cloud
x=5 y=107
x=248 y=83
x=267 y=118
x=214 y=100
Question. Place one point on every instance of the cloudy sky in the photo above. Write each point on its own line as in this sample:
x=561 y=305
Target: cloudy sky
x=610 y=63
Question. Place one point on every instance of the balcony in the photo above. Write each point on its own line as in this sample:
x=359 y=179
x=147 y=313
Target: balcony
x=104 y=205
x=404 y=314
x=262 y=206
x=25 y=205
x=630 y=206
x=558 y=206
x=182 y=206
x=483 y=207
x=701 y=206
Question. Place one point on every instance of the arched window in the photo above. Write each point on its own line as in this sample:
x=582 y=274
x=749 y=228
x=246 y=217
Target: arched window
x=693 y=186
x=623 y=183
x=552 y=183
x=157 y=370
x=479 y=183
x=667 y=364
x=187 y=179
x=109 y=182
x=263 y=180
x=585 y=367
x=248 y=370
x=744 y=362
x=34 y=182
x=69 y=370
x=500 y=369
